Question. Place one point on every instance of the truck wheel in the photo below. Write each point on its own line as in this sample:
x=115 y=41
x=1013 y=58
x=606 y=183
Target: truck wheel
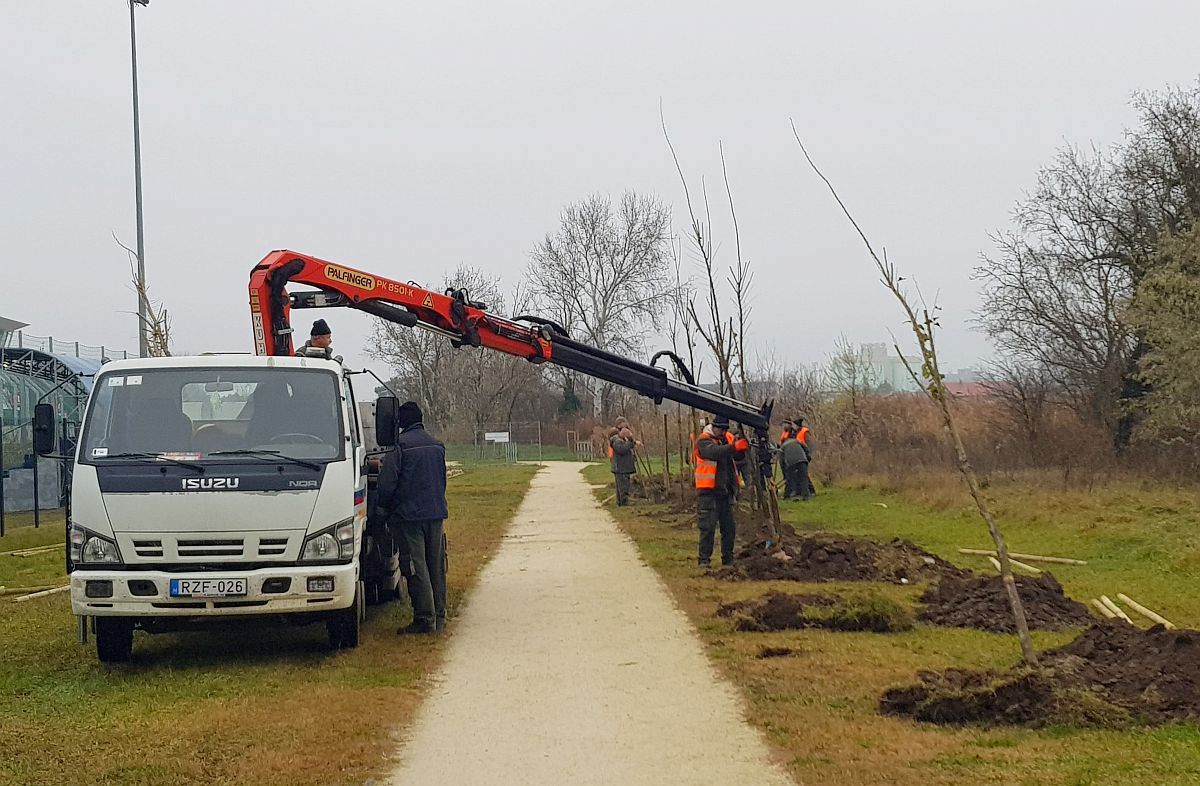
x=344 y=624
x=114 y=639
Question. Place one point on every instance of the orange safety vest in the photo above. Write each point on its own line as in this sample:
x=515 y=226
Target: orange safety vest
x=802 y=435
x=706 y=471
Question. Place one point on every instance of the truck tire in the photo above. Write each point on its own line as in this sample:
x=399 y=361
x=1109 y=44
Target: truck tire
x=345 y=624
x=114 y=639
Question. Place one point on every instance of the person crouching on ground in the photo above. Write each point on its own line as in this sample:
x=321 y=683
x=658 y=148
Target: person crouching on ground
x=621 y=447
x=412 y=493
x=716 y=487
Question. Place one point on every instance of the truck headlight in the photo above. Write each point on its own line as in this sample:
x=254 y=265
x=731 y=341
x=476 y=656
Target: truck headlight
x=332 y=544
x=320 y=548
x=91 y=549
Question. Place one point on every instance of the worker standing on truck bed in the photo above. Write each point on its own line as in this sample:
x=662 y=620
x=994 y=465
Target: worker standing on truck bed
x=320 y=342
x=621 y=445
x=412 y=493
x=717 y=481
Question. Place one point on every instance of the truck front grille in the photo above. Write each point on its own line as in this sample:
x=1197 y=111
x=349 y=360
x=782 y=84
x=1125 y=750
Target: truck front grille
x=194 y=548
x=210 y=548
x=147 y=549
x=271 y=547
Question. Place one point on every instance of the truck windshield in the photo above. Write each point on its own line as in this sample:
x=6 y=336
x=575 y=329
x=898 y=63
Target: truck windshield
x=229 y=414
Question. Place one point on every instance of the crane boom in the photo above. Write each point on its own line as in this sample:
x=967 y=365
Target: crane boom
x=464 y=322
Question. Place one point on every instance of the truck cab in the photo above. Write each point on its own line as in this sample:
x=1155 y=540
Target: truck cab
x=218 y=488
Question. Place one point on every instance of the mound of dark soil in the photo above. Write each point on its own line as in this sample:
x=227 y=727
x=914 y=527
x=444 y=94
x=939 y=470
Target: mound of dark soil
x=1112 y=675
x=827 y=557
x=982 y=603
x=781 y=611
x=745 y=606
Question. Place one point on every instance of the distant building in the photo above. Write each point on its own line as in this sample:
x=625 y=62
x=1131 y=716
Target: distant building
x=888 y=372
x=880 y=370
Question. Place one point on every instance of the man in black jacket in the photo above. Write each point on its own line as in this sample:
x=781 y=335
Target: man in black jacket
x=412 y=494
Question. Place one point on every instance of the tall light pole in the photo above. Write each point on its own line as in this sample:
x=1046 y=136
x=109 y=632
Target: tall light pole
x=143 y=345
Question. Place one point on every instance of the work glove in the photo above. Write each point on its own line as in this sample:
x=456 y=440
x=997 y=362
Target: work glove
x=741 y=445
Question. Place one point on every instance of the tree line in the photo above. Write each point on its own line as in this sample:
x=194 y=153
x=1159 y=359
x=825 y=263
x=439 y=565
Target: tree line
x=1091 y=298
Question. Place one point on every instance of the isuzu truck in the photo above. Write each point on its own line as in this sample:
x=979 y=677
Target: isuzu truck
x=216 y=488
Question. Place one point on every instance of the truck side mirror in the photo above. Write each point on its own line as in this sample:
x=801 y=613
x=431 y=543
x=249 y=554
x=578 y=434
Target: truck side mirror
x=386 y=408
x=43 y=429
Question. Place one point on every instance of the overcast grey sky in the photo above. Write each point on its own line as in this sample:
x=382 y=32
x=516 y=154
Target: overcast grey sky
x=407 y=138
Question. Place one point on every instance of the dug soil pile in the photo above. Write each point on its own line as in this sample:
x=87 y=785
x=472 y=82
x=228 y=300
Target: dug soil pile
x=1112 y=675
x=982 y=603
x=828 y=557
x=781 y=611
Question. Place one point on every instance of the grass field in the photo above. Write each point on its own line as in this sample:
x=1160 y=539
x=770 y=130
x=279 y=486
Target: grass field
x=818 y=707
x=264 y=707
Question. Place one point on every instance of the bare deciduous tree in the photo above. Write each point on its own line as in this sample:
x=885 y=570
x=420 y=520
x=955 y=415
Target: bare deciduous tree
x=850 y=372
x=606 y=275
x=1027 y=396
x=1055 y=294
x=157 y=322
x=932 y=382
x=460 y=390
x=725 y=338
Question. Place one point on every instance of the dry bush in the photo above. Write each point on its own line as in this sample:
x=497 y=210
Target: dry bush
x=900 y=436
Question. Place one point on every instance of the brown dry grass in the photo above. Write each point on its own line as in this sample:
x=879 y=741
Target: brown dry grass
x=265 y=707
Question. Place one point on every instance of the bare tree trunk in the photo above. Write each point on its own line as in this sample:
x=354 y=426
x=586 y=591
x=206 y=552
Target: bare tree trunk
x=935 y=388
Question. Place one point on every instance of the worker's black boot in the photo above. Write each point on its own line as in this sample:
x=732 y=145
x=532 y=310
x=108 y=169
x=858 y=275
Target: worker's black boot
x=416 y=628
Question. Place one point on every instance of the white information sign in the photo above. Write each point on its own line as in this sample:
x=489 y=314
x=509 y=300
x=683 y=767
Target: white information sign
x=495 y=436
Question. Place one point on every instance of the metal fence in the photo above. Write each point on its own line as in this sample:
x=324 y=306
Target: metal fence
x=507 y=443
x=49 y=344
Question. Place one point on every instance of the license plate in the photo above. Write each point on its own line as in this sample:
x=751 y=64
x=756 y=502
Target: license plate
x=207 y=588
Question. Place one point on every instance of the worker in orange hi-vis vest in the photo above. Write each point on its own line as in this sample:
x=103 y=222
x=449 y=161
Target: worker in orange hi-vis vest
x=622 y=459
x=717 y=482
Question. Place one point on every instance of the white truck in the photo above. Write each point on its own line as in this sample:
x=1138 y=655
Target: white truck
x=219 y=488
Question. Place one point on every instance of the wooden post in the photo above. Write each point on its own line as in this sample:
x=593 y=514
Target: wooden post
x=666 y=461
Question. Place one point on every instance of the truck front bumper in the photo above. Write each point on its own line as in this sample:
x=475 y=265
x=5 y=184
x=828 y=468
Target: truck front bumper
x=282 y=590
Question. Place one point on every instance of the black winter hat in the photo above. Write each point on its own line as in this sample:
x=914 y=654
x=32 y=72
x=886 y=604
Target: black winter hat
x=320 y=328
x=721 y=421
x=408 y=414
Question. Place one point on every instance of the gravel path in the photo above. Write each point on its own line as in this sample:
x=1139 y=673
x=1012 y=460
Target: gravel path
x=571 y=665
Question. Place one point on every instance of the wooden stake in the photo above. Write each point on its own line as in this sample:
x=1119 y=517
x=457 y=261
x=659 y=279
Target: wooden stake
x=25 y=590
x=996 y=563
x=44 y=593
x=1030 y=557
x=31 y=550
x=1104 y=610
x=1115 y=609
x=1145 y=612
x=1023 y=566
x=666 y=461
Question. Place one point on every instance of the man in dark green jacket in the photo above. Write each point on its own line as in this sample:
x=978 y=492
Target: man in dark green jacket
x=795 y=457
x=622 y=459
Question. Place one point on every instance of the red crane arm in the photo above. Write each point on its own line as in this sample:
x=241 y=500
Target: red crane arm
x=455 y=316
x=270 y=306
